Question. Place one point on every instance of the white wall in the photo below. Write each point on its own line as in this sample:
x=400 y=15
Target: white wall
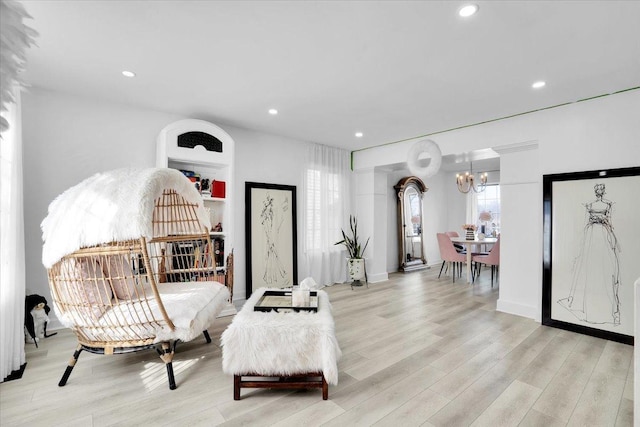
x=270 y=159
x=69 y=138
x=600 y=133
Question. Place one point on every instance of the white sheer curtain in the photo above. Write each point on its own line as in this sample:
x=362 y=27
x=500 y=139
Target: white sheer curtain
x=472 y=208
x=12 y=264
x=326 y=212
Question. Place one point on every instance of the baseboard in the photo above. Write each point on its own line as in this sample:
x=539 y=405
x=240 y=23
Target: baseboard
x=54 y=324
x=228 y=310
x=519 y=309
x=375 y=278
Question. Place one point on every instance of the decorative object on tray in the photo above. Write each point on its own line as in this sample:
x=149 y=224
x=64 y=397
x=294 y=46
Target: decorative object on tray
x=355 y=262
x=300 y=297
x=590 y=252
x=469 y=231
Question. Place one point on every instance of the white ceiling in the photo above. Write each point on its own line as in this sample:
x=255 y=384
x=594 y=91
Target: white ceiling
x=391 y=69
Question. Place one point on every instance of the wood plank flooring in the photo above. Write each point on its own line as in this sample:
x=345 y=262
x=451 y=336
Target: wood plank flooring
x=418 y=350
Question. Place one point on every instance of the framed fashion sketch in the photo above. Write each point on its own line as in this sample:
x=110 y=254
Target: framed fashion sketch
x=591 y=251
x=271 y=237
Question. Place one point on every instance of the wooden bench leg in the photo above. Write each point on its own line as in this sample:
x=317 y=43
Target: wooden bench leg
x=325 y=389
x=236 y=387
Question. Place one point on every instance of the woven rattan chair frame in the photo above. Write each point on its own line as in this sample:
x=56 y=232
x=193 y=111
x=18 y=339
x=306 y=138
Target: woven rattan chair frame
x=109 y=292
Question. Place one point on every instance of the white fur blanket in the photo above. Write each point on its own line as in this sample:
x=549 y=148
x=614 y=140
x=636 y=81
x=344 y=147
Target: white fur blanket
x=110 y=206
x=192 y=307
x=275 y=344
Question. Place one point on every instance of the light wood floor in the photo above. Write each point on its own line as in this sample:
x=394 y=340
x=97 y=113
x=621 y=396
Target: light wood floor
x=417 y=351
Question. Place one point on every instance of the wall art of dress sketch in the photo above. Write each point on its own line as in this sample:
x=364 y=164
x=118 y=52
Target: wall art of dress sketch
x=591 y=251
x=271 y=237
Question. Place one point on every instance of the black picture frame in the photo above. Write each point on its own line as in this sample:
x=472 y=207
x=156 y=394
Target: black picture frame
x=271 y=236
x=587 y=218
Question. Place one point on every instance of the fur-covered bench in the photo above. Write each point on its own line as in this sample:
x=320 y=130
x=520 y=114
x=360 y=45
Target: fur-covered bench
x=292 y=347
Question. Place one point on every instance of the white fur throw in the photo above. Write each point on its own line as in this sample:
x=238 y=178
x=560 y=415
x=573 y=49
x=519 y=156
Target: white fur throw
x=191 y=306
x=111 y=206
x=275 y=344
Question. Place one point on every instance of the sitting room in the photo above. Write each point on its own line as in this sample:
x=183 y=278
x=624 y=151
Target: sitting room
x=319 y=213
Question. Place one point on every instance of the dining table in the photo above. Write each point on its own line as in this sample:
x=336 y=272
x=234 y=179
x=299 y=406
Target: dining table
x=469 y=245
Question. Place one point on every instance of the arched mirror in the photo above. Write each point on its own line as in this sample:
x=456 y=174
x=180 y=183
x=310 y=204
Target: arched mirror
x=410 y=237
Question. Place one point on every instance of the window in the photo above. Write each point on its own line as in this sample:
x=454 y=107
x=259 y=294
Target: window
x=489 y=201
x=324 y=209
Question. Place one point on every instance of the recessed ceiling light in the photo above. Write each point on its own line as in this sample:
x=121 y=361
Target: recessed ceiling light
x=468 y=10
x=273 y=111
x=128 y=73
x=538 y=85
x=359 y=134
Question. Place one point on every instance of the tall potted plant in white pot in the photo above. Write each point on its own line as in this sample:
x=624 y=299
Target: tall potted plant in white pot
x=355 y=261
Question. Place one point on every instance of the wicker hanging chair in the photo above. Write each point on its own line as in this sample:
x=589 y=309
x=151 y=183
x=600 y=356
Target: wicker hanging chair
x=131 y=265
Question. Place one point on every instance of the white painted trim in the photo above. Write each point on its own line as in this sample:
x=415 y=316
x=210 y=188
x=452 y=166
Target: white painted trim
x=636 y=353
x=510 y=307
x=515 y=147
x=54 y=324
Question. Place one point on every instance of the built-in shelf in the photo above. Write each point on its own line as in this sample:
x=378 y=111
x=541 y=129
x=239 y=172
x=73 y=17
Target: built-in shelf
x=181 y=145
x=213 y=199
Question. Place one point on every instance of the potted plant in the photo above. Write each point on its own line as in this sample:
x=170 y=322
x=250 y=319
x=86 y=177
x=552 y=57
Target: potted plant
x=355 y=250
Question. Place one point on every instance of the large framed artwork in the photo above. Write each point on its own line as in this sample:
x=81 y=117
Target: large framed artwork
x=271 y=236
x=591 y=251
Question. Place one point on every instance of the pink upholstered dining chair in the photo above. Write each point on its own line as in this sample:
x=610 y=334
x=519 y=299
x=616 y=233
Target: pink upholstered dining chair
x=492 y=259
x=449 y=253
x=459 y=248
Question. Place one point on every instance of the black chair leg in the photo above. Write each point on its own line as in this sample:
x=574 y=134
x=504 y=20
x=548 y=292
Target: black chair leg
x=72 y=363
x=167 y=357
x=443 y=263
x=454 y=271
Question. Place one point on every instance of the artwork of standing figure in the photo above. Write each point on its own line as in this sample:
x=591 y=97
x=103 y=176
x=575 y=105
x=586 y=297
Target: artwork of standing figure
x=271 y=219
x=596 y=271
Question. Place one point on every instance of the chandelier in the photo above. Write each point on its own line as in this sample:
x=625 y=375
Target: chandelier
x=467 y=181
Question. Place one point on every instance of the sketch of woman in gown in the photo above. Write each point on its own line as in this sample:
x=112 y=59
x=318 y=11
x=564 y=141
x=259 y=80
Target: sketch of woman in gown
x=596 y=272
x=272 y=218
